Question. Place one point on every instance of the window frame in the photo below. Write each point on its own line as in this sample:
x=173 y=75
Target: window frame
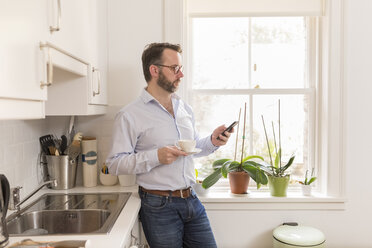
x=330 y=125
x=312 y=28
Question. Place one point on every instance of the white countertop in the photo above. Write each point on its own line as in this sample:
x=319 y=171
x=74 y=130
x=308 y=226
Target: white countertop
x=119 y=232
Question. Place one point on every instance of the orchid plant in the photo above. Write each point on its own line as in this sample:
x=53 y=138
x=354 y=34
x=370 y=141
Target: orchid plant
x=222 y=167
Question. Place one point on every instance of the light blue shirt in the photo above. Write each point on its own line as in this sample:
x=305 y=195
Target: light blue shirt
x=144 y=126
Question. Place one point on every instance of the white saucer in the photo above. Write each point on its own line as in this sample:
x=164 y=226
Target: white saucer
x=195 y=151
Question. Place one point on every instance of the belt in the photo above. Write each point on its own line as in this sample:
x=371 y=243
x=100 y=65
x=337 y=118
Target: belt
x=183 y=193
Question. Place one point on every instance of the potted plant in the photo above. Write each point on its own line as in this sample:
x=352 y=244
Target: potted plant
x=276 y=172
x=200 y=191
x=239 y=172
x=306 y=183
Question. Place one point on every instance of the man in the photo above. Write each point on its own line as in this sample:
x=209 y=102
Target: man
x=144 y=137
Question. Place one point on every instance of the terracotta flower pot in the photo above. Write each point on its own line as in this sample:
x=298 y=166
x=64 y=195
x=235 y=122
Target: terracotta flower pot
x=239 y=181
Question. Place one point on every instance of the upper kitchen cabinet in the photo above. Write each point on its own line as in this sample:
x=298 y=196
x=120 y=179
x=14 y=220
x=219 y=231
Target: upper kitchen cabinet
x=78 y=28
x=23 y=24
x=98 y=51
x=78 y=37
x=69 y=26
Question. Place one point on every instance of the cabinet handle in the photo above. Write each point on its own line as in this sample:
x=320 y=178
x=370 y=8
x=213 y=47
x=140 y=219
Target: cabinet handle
x=56 y=28
x=99 y=81
x=50 y=72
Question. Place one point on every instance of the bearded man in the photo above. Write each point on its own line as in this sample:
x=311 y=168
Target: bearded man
x=144 y=137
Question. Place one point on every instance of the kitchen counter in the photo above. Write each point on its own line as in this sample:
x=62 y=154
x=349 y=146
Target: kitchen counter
x=120 y=231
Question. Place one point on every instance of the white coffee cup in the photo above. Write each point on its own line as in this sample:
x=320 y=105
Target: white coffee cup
x=187 y=145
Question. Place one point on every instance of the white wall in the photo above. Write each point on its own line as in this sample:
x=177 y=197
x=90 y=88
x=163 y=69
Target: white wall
x=131 y=26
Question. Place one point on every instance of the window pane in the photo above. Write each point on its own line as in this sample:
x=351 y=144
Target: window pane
x=294 y=132
x=278 y=52
x=213 y=112
x=219 y=53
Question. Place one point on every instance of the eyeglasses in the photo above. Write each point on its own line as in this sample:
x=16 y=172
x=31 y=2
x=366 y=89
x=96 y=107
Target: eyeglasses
x=175 y=68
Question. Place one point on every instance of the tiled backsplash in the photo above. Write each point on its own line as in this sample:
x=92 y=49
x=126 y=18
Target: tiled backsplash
x=19 y=144
x=19 y=149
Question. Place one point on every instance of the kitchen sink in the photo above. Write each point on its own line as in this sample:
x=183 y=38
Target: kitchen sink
x=75 y=213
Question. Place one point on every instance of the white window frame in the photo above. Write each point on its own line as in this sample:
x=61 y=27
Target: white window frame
x=310 y=91
x=330 y=126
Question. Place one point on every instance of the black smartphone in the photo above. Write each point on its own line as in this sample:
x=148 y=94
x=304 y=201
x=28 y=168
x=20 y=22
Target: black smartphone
x=228 y=129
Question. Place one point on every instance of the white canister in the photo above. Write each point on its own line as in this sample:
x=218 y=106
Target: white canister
x=291 y=235
x=89 y=159
x=90 y=175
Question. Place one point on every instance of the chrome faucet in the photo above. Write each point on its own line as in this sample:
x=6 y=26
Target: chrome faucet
x=15 y=203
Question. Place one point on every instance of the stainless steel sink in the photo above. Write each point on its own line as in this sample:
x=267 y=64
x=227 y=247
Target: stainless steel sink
x=68 y=214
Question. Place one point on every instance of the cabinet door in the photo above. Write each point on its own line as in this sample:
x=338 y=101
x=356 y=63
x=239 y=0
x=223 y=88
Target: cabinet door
x=98 y=53
x=22 y=63
x=98 y=87
x=74 y=26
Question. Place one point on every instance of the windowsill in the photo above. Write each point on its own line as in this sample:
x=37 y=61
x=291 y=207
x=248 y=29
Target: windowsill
x=261 y=200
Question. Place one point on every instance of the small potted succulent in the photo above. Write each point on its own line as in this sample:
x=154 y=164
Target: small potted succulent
x=306 y=183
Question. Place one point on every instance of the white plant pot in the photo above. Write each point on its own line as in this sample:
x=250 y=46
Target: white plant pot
x=306 y=190
x=127 y=180
x=200 y=191
x=107 y=179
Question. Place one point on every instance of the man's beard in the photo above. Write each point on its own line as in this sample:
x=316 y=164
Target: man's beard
x=167 y=85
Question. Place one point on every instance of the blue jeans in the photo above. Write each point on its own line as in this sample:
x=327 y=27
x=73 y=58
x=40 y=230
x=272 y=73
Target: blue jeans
x=175 y=222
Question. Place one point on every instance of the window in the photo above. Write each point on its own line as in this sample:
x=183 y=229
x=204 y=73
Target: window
x=255 y=61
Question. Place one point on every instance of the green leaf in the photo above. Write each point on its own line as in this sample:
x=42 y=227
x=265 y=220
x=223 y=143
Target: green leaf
x=225 y=168
x=311 y=180
x=258 y=185
x=261 y=177
x=277 y=158
x=218 y=163
x=234 y=166
x=212 y=179
x=266 y=169
x=229 y=166
x=253 y=163
x=288 y=164
x=251 y=157
x=255 y=173
x=250 y=169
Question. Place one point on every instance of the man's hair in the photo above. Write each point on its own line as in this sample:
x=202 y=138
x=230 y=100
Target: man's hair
x=153 y=55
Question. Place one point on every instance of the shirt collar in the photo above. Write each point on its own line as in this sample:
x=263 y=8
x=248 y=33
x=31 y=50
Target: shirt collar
x=147 y=97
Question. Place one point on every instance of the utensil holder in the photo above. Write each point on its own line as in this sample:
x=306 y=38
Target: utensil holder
x=62 y=169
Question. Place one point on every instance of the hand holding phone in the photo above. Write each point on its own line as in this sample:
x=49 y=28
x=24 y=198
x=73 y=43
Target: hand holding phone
x=229 y=128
